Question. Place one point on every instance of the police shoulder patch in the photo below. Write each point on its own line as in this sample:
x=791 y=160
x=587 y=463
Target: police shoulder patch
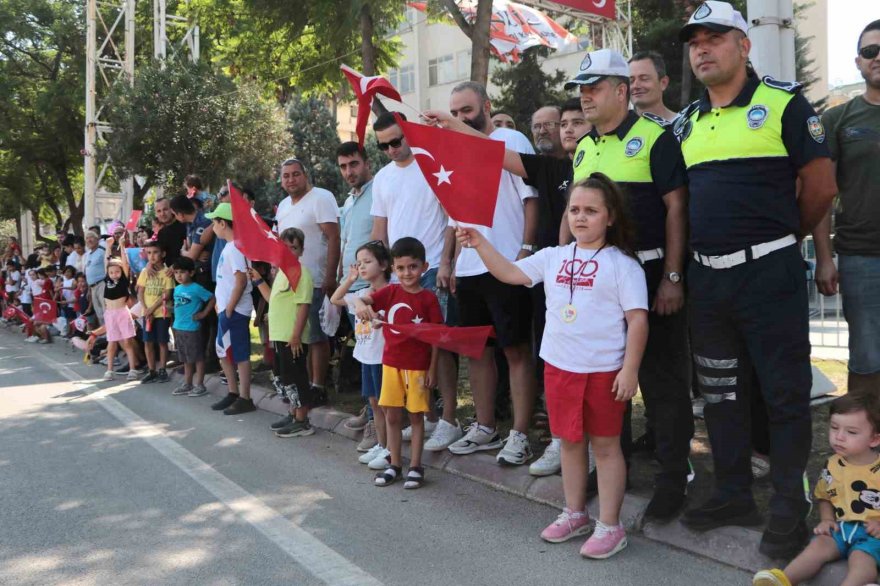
x=579 y=158
x=816 y=128
x=791 y=87
x=656 y=119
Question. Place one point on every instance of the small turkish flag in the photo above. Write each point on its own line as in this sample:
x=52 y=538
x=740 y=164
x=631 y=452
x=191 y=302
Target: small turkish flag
x=465 y=341
x=464 y=171
x=257 y=242
x=132 y=224
x=365 y=89
x=45 y=310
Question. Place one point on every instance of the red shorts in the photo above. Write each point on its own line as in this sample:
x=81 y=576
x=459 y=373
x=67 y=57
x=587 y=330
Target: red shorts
x=581 y=405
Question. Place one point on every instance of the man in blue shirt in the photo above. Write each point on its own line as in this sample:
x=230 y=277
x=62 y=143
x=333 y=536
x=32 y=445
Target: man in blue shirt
x=95 y=273
x=357 y=223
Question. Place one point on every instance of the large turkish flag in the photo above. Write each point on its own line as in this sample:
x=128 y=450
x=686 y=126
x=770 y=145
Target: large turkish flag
x=601 y=7
x=365 y=88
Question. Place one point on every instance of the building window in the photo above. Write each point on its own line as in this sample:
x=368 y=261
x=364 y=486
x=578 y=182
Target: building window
x=404 y=79
x=353 y=111
x=441 y=70
x=463 y=64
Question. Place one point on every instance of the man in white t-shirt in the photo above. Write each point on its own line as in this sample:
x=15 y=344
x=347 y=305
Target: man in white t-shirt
x=404 y=205
x=314 y=211
x=484 y=300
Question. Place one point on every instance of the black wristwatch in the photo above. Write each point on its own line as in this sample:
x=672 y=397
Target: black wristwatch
x=673 y=277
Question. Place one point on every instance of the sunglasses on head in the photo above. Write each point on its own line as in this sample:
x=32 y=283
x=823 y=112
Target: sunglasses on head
x=384 y=146
x=869 y=51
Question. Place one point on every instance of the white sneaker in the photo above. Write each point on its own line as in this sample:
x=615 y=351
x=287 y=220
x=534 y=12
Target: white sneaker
x=549 y=462
x=31 y=339
x=475 y=440
x=108 y=375
x=517 y=450
x=381 y=461
x=370 y=455
x=444 y=434
x=133 y=375
x=430 y=426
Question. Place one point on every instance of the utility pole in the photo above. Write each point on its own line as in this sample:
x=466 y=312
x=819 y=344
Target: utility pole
x=771 y=30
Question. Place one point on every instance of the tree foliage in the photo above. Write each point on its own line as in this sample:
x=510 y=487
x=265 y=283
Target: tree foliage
x=184 y=118
x=525 y=87
x=314 y=141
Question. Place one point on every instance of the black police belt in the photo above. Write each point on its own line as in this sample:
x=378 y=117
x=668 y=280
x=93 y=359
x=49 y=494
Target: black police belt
x=727 y=261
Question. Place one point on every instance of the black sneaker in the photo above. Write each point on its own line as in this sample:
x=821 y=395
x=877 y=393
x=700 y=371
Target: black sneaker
x=225 y=402
x=719 y=513
x=162 y=376
x=320 y=395
x=151 y=377
x=665 y=504
x=296 y=429
x=784 y=537
x=223 y=379
x=281 y=423
x=240 y=406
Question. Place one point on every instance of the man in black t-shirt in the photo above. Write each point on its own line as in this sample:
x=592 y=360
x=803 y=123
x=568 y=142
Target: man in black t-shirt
x=172 y=234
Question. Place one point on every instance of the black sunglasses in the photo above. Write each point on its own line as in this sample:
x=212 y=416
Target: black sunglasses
x=384 y=146
x=869 y=51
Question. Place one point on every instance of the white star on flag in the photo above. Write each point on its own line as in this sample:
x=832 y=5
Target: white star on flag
x=443 y=176
x=270 y=234
x=417 y=319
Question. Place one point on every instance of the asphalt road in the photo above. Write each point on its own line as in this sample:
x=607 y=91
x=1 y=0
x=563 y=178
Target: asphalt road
x=118 y=483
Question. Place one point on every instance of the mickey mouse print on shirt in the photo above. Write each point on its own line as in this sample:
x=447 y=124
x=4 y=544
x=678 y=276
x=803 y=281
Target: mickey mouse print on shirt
x=402 y=307
x=853 y=491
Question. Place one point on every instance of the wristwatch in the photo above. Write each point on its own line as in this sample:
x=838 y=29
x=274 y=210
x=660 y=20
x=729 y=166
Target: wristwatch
x=673 y=277
x=529 y=247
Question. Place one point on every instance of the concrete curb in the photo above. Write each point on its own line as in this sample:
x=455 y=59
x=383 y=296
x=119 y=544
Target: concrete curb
x=733 y=546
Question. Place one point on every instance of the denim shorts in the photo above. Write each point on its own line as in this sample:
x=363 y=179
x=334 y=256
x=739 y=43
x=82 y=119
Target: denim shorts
x=371 y=380
x=852 y=536
x=316 y=334
x=859 y=284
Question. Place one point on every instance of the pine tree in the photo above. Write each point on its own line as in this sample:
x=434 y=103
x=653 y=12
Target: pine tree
x=314 y=141
x=525 y=87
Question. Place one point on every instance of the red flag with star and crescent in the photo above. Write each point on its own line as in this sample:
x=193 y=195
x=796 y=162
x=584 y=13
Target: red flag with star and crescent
x=45 y=310
x=464 y=171
x=467 y=341
x=365 y=89
x=257 y=242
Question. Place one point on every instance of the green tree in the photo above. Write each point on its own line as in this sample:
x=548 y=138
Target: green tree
x=477 y=30
x=42 y=60
x=804 y=63
x=525 y=87
x=184 y=118
x=314 y=141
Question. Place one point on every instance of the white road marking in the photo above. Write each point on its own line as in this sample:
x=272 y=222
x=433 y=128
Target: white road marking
x=316 y=558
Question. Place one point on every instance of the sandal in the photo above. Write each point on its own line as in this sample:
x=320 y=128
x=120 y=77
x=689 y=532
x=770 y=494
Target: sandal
x=389 y=477
x=415 y=477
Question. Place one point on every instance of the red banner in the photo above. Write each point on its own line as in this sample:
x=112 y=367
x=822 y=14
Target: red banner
x=601 y=7
x=469 y=341
x=132 y=224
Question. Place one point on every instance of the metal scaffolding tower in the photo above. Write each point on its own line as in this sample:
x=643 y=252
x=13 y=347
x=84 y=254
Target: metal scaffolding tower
x=110 y=59
x=605 y=33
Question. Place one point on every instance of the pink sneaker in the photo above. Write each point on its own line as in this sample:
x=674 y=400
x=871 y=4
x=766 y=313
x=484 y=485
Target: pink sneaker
x=566 y=526
x=604 y=542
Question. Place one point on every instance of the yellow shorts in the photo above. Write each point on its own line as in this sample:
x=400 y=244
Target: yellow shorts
x=405 y=388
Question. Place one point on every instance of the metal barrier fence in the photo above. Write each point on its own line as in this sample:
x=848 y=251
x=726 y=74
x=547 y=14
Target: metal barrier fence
x=828 y=328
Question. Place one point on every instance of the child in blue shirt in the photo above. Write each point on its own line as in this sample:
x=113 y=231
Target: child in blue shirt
x=192 y=303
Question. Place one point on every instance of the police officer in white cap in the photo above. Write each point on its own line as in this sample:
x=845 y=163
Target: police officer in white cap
x=747 y=142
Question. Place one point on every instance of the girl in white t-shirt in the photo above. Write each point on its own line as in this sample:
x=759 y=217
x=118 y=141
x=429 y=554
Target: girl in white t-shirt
x=373 y=266
x=597 y=327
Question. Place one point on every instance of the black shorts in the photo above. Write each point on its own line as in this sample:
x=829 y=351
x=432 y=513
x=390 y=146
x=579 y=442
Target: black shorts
x=293 y=373
x=483 y=300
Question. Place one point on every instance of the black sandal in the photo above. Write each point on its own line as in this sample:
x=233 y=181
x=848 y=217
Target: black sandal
x=415 y=477
x=389 y=477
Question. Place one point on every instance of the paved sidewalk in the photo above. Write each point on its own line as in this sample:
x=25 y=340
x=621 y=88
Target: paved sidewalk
x=735 y=546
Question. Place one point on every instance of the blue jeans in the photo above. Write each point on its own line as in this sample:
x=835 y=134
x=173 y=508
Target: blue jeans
x=860 y=289
x=447 y=301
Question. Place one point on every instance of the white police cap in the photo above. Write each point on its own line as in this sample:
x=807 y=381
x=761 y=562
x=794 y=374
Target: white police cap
x=597 y=65
x=717 y=16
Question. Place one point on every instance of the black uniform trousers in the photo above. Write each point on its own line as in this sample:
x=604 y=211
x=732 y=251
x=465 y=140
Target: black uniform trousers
x=665 y=383
x=753 y=318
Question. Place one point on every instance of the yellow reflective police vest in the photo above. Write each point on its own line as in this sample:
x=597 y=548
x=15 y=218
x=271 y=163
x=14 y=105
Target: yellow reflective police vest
x=624 y=160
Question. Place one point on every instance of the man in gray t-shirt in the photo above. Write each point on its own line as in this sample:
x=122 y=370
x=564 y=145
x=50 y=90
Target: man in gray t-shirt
x=853 y=131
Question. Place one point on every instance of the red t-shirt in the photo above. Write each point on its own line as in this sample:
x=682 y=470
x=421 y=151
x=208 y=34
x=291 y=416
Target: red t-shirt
x=403 y=308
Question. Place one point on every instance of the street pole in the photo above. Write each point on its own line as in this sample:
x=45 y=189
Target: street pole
x=771 y=30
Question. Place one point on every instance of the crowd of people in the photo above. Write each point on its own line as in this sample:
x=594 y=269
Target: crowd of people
x=632 y=248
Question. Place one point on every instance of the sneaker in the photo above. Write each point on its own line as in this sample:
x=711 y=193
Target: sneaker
x=240 y=406
x=122 y=369
x=162 y=376
x=132 y=375
x=182 y=389
x=197 y=391
x=604 y=542
x=108 y=375
x=665 y=504
x=320 y=395
x=784 y=537
x=444 y=435
x=223 y=379
x=370 y=438
x=516 y=451
x=430 y=427
x=140 y=371
x=381 y=461
x=697 y=406
x=150 y=378
x=774 y=577
x=567 y=526
x=225 y=402
x=719 y=513
x=475 y=440
x=282 y=423
x=549 y=462
x=33 y=340
x=43 y=341
x=358 y=422
x=296 y=429
x=371 y=454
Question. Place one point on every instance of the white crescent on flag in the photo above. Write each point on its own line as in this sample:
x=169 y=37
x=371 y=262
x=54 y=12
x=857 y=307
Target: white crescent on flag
x=45 y=306
x=599 y=3
x=421 y=151
x=393 y=310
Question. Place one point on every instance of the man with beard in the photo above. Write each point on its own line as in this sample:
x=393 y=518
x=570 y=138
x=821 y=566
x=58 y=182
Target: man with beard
x=545 y=131
x=853 y=131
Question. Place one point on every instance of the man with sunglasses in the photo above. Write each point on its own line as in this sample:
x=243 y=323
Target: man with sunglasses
x=405 y=206
x=853 y=131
